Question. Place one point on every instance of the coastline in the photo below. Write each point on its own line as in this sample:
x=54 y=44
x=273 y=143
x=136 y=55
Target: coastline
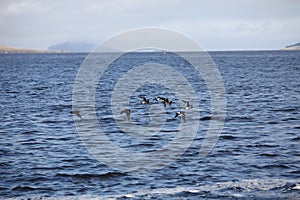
x=293 y=48
x=6 y=50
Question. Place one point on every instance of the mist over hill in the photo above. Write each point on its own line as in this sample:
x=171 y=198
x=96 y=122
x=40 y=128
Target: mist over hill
x=293 y=47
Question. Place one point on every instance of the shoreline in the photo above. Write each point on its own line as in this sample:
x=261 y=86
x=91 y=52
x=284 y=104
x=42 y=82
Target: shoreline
x=7 y=49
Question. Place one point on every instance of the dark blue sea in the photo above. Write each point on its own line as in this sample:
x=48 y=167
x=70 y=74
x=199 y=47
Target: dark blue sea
x=257 y=155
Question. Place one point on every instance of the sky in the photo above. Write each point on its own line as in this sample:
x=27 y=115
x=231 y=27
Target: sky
x=214 y=24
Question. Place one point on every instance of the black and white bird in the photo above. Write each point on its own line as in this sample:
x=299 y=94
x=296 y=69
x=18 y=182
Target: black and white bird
x=164 y=100
x=144 y=100
x=127 y=112
x=77 y=113
x=160 y=99
x=182 y=115
x=187 y=105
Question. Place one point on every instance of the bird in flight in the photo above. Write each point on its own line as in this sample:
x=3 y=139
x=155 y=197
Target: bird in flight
x=127 y=112
x=164 y=100
x=182 y=115
x=187 y=105
x=77 y=113
x=144 y=100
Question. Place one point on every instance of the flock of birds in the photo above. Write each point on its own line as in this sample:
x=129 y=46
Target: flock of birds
x=144 y=100
x=165 y=102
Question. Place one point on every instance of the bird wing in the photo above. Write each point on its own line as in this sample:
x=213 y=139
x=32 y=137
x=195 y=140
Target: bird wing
x=184 y=118
x=78 y=114
x=127 y=112
x=143 y=97
x=187 y=104
x=165 y=103
x=128 y=115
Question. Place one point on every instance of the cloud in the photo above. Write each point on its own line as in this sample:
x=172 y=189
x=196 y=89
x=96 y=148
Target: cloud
x=215 y=24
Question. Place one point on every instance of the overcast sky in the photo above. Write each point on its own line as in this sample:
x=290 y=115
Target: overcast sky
x=214 y=24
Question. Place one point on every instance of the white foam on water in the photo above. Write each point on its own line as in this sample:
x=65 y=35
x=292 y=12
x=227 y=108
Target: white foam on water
x=221 y=188
x=296 y=187
x=194 y=191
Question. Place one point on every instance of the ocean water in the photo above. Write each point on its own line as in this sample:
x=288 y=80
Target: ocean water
x=257 y=155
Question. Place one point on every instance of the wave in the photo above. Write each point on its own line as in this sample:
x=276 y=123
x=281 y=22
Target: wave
x=91 y=176
x=235 y=189
x=29 y=188
x=240 y=189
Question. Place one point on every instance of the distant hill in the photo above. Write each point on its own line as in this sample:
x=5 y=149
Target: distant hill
x=293 y=47
x=6 y=49
x=73 y=47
